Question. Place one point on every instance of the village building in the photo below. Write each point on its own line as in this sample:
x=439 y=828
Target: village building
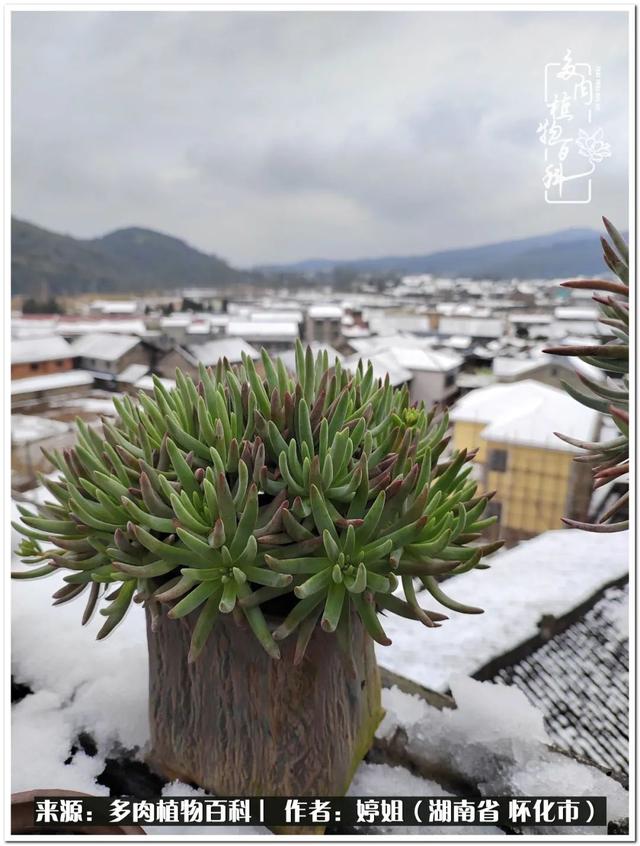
x=69 y=383
x=480 y=328
x=107 y=355
x=38 y=356
x=547 y=369
x=324 y=323
x=273 y=335
x=532 y=471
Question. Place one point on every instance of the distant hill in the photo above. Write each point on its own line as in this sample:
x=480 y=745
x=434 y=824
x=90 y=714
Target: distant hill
x=45 y=264
x=126 y=260
x=569 y=252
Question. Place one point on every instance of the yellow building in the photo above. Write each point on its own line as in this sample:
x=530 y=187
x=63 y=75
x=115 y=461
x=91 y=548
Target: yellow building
x=532 y=471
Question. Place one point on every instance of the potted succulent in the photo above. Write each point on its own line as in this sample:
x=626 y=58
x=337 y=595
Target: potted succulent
x=265 y=522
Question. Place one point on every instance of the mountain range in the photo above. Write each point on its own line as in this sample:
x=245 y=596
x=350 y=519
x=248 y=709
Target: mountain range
x=570 y=252
x=136 y=260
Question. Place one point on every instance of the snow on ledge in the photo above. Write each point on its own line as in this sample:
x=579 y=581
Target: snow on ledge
x=550 y=574
x=495 y=739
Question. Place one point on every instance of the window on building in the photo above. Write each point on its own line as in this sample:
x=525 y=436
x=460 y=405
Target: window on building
x=34 y=365
x=449 y=379
x=498 y=460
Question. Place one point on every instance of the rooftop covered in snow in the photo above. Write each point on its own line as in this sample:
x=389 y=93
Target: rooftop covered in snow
x=527 y=413
x=416 y=358
x=104 y=346
x=475 y=327
x=70 y=327
x=34 y=349
x=115 y=306
x=325 y=312
x=51 y=381
x=271 y=316
x=268 y=330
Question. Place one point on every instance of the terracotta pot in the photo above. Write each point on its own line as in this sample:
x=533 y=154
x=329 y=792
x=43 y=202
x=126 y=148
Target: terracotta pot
x=22 y=817
x=239 y=723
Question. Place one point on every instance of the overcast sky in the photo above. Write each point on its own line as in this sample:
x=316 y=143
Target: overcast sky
x=276 y=136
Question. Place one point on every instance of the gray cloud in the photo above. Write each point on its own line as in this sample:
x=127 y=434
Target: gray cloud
x=273 y=136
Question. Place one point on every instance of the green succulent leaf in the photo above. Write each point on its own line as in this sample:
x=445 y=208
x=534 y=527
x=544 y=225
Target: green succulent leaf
x=248 y=485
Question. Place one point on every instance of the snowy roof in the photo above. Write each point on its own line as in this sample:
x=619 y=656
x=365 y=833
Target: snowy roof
x=483 y=352
x=390 y=338
x=462 y=310
x=266 y=331
x=115 y=306
x=132 y=373
x=25 y=327
x=391 y=321
x=277 y=316
x=211 y=352
x=506 y=366
x=530 y=318
x=28 y=350
x=580 y=681
x=355 y=331
x=178 y=320
x=458 y=342
x=476 y=327
x=474 y=380
x=526 y=413
x=416 y=358
x=575 y=313
x=51 y=381
x=551 y=574
x=325 y=312
x=104 y=347
x=217 y=319
x=70 y=328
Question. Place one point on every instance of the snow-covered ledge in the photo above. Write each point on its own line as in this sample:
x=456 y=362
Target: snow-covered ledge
x=493 y=743
x=547 y=576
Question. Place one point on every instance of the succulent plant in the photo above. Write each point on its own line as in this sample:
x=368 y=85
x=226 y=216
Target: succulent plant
x=610 y=395
x=328 y=494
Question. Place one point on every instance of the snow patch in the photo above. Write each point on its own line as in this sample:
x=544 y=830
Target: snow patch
x=495 y=740
x=43 y=732
x=550 y=574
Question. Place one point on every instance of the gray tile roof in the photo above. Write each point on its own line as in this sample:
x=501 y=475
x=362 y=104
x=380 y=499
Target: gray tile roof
x=580 y=680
